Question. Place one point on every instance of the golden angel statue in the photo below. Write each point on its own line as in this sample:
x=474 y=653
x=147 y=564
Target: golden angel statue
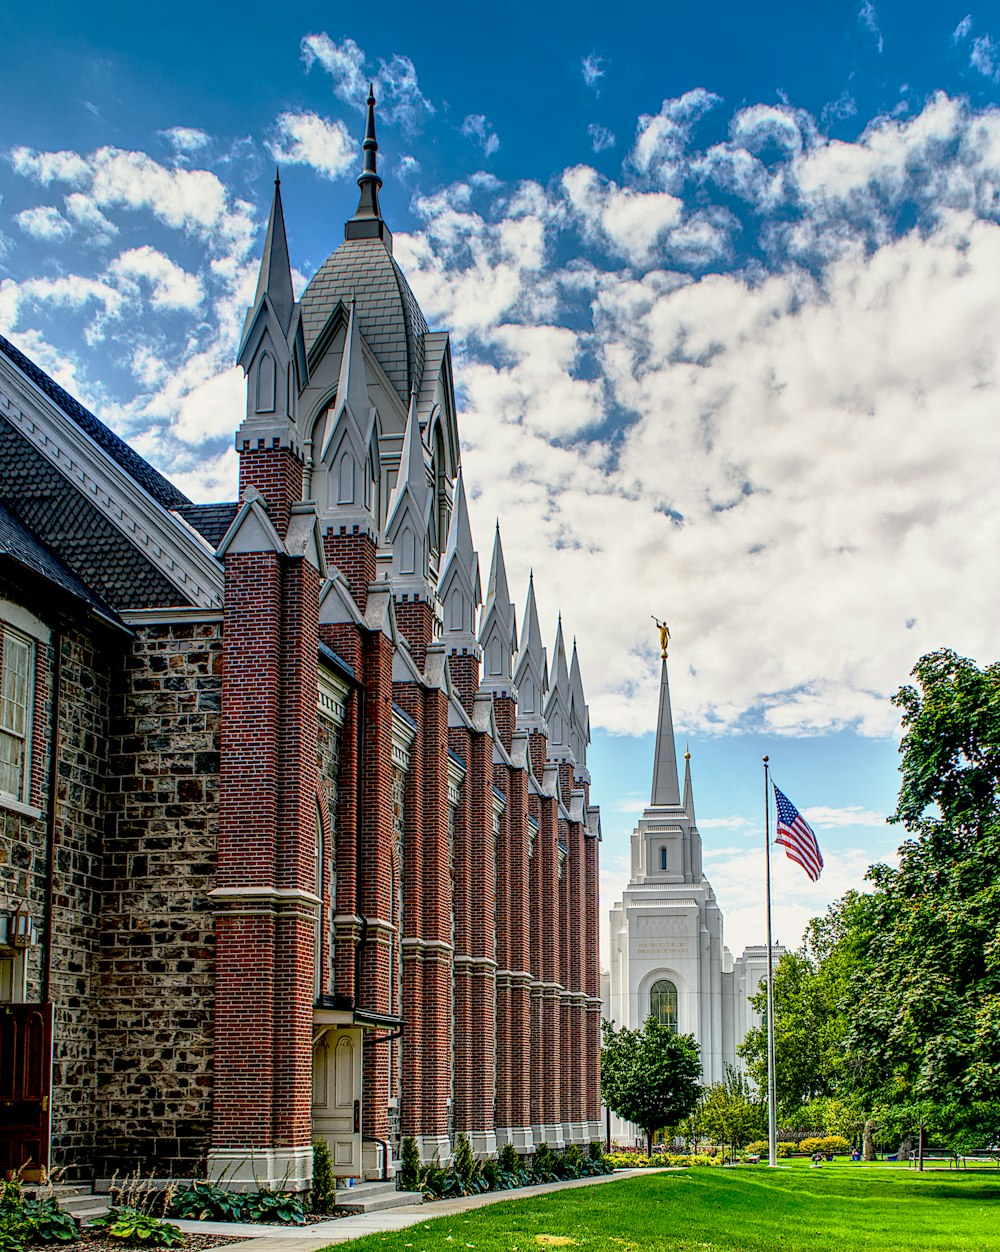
x=664 y=630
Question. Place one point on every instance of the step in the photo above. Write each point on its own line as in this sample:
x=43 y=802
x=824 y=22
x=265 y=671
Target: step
x=372 y=1197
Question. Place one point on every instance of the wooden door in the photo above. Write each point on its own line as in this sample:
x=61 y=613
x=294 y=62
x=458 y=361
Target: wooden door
x=25 y=1079
x=336 y=1098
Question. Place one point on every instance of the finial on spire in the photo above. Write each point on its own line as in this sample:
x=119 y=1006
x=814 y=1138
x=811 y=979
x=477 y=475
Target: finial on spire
x=277 y=176
x=367 y=220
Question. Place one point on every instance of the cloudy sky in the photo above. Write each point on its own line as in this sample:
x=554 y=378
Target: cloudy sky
x=723 y=285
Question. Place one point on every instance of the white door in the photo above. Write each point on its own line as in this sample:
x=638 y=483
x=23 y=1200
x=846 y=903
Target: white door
x=336 y=1097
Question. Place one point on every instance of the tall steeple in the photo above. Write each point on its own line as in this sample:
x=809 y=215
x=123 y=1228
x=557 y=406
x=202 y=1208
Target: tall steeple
x=665 y=789
x=367 y=220
x=531 y=677
x=498 y=631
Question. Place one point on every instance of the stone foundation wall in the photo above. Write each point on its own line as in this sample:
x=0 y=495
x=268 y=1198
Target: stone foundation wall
x=155 y=998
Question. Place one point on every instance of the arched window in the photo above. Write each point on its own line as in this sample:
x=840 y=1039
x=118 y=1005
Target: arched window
x=663 y=858
x=345 y=484
x=265 y=384
x=663 y=1003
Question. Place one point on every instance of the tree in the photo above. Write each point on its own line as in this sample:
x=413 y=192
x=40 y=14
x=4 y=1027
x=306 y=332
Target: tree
x=649 y=1076
x=732 y=1112
x=924 y=1014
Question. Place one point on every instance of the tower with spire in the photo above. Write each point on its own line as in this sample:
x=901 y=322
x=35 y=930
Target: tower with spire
x=668 y=957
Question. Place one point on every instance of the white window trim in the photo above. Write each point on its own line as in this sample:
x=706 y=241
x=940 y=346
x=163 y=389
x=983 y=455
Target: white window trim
x=7 y=798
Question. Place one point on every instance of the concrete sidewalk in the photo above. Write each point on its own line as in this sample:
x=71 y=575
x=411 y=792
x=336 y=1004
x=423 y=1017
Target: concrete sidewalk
x=344 y=1229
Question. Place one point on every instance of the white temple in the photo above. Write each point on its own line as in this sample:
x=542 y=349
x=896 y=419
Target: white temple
x=668 y=956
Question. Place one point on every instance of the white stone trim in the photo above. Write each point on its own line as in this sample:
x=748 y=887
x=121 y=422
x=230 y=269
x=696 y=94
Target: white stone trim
x=183 y=616
x=247 y=1169
x=403 y=735
x=266 y=899
x=14 y=615
x=434 y=1149
x=520 y=1137
x=333 y=697
x=150 y=526
x=483 y=1143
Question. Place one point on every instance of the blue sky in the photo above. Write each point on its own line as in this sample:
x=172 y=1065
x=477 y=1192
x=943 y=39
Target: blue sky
x=723 y=288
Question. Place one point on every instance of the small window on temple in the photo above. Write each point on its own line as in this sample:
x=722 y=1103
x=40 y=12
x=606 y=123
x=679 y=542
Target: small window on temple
x=663 y=858
x=16 y=691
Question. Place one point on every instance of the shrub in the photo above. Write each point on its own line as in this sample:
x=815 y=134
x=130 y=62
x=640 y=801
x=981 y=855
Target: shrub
x=510 y=1162
x=543 y=1164
x=829 y=1145
x=128 y=1225
x=324 y=1188
x=207 y=1202
x=283 y=1207
x=51 y=1224
x=410 y=1173
x=784 y=1150
x=463 y=1165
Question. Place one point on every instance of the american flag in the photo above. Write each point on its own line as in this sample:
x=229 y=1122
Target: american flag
x=796 y=836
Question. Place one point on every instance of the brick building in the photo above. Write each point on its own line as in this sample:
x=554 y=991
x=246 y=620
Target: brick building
x=297 y=839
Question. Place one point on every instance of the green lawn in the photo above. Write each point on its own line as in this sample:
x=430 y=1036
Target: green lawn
x=841 y=1206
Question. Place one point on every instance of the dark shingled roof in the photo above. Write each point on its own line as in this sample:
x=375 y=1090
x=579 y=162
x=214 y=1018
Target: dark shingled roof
x=210 y=520
x=20 y=545
x=69 y=523
x=388 y=314
x=160 y=488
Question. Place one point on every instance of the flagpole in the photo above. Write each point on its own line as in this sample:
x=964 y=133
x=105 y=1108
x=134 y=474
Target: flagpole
x=772 y=1113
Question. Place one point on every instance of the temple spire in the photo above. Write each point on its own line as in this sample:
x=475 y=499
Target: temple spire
x=459 y=588
x=665 y=789
x=688 y=789
x=367 y=221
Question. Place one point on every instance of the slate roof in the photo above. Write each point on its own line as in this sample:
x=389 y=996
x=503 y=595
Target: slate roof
x=160 y=488
x=210 y=520
x=18 y=544
x=86 y=541
x=389 y=316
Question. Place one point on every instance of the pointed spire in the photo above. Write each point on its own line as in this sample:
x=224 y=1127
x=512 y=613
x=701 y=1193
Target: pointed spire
x=497 y=587
x=531 y=675
x=412 y=469
x=558 y=709
x=498 y=628
x=665 y=789
x=579 y=712
x=367 y=220
x=460 y=529
x=459 y=588
x=559 y=674
x=688 y=789
x=353 y=382
x=275 y=277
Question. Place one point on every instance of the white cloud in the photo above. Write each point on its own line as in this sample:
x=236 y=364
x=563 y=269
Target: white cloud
x=868 y=20
x=44 y=222
x=170 y=286
x=983 y=56
x=600 y=137
x=962 y=29
x=823 y=816
x=395 y=82
x=97 y=227
x=186 y=140
x=481 y=132
x=592 y=69
x=308 y=139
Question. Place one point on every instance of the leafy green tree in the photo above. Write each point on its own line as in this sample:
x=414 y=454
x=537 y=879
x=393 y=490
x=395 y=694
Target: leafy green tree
x=649 y=1076
x=732 y=1112
x=924 y=1013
